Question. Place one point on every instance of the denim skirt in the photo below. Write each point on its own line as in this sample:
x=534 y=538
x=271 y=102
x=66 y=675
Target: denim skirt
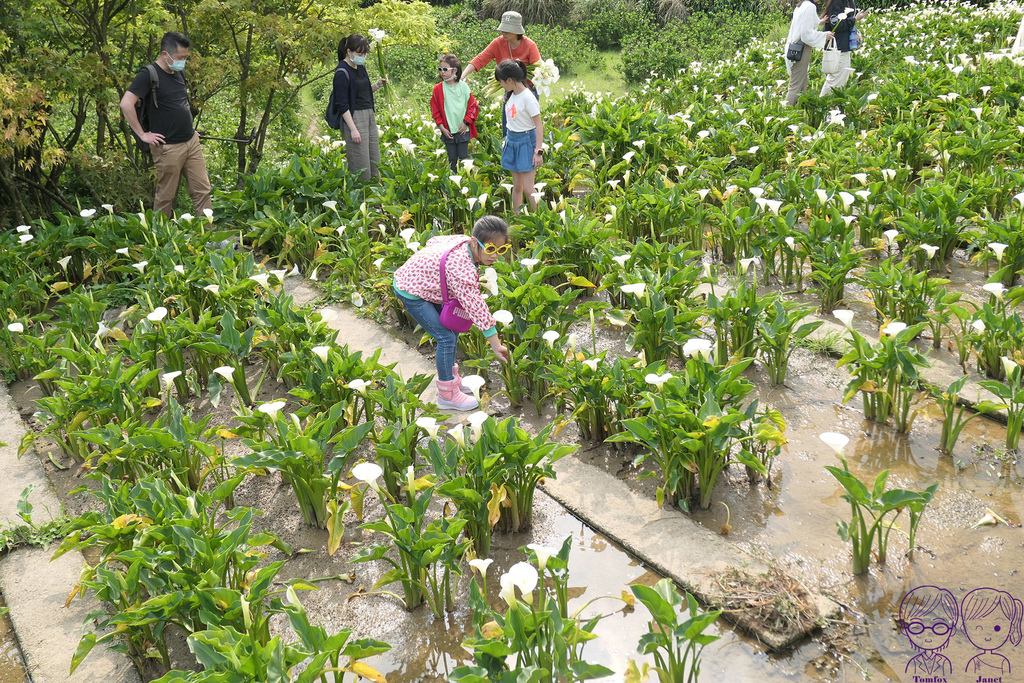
x=517 y=153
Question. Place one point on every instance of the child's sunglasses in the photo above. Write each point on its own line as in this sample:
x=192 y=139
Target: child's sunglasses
x=491 y=249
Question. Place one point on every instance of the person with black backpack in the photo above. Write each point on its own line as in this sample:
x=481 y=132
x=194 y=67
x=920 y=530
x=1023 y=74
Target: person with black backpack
x=156 y=107
x=351 y=106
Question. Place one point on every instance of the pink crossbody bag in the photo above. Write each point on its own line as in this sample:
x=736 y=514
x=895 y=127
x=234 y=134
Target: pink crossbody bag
x=453 y=315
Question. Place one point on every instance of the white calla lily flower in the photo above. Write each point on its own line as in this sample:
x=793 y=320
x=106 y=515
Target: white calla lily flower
x=359 y=385
x=835 y=441
x=476 y=423
x=844 y=316
x=474 y=383
x=271 y=409
x=893 y=328
x=996 y=289
x=15 y=328
x=636 y=288
x=550 y=336
x=658 y=380
x=699 y=347
x=368 y=472
x=225 y=371
x=481 y=565
x=529 y=263
x=543 y=554
x=997 y=248
x=502 y=316
x=158 y=314
x=522 y=575
x=429 y=424
x=322 y=352
x=263 y=280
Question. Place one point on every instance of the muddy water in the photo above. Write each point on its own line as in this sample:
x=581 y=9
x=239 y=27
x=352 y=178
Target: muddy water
x=428 y=650
x=795 y=522
x=12 y=667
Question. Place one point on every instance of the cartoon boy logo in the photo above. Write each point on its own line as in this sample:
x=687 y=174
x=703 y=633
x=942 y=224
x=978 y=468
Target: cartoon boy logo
x=929 y=617
x=991 y=617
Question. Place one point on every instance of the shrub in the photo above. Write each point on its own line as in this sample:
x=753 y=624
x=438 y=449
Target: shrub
x=703 y=38
x=548 y=12
x=569 y=49
x=607 y=24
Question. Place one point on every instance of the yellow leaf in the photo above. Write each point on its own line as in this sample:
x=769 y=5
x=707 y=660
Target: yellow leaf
x=712 y=421
x=86 y=271
x=71 y=596
x=629 y=599
x=118 y=334
x=153 y=402
x=491 y=630
x=60 y=286
x=405 y=218
x=808 y=163
x=335 y=526
x=366 y=671
x=123 y=521
x=226 y=434
x=498 y=496
x=357 y=496
x=580 y=281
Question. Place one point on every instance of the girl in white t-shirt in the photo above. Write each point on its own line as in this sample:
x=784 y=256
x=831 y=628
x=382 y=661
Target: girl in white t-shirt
x=523 y=151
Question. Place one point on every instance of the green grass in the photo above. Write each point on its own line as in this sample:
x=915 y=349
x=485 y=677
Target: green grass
x=606 y=79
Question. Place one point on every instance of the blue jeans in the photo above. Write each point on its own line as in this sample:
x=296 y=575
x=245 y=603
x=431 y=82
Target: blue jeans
x=428 y=315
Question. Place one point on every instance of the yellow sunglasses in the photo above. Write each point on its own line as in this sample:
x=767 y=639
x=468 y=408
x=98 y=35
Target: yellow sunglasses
x=491 y=249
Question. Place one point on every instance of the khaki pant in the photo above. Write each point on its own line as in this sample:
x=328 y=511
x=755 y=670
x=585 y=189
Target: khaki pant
x=839 y=78
x=366 y=155
x=171 y=161
x=798 y=77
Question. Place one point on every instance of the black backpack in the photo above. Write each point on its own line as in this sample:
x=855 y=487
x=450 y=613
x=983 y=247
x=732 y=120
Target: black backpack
x=333 y=118
x=143 y=107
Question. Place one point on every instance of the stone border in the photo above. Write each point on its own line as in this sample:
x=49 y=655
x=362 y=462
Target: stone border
x=36 y=588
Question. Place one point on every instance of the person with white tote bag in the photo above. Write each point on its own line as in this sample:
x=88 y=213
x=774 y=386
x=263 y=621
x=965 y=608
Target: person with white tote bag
x=803 y=34
x=840 y=19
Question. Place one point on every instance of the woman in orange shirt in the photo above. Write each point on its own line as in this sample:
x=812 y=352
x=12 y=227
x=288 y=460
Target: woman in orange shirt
x=512 y=44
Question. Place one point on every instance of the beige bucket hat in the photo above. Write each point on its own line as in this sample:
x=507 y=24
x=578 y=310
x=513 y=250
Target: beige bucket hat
x=512 y=22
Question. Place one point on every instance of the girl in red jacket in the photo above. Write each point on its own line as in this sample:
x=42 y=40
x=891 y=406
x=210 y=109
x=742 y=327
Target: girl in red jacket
x=454 y=110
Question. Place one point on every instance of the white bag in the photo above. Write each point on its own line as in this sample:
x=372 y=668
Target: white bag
x=830 y=58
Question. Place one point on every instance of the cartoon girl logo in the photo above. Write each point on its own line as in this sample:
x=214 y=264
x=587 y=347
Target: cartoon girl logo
x=991 y=617
x=929 y=618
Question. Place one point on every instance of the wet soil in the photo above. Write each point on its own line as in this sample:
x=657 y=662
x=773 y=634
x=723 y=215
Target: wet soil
x=12 y=666
x=792 y=524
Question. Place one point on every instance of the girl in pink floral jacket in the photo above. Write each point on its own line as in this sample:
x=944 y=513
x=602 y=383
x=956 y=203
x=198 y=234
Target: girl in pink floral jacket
x=418 y=286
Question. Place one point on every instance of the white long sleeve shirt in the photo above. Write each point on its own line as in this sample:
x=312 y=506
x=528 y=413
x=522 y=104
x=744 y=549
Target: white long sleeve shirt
x=804 y=28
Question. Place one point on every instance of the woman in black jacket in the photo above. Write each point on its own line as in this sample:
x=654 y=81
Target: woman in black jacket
x=840 y=18
x=353 y=99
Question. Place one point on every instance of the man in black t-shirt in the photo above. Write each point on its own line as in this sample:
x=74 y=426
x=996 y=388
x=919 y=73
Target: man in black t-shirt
x=172 y=140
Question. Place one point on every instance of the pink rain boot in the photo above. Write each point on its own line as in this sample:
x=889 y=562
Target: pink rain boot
x=449 y=396
x=458 y=381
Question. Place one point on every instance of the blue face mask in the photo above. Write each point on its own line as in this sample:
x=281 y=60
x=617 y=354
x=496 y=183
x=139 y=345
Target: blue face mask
x=176 y=64
x=359 y=60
